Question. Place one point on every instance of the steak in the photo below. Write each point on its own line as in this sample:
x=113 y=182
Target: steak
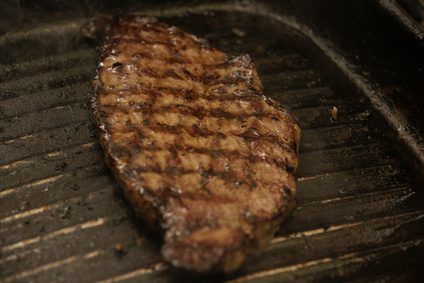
x=201 y=153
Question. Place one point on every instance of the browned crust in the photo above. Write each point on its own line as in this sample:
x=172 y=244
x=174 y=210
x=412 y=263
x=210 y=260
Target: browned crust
x=220 y=247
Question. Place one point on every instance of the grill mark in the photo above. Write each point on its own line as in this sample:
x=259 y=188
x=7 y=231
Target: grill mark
x=117 y=43
x=198 y=131
x=287 y=142
x=249 y=152
x=111 y=49
x=173 y=184
x=161 y=60
x=213 y=153
x=171 y=162
x=186 y=110
x=199 y=83
x=167 y=188
x=188 y=94
x=222 y=175
x=205 y=67
x=172 y=55
x=170 y=42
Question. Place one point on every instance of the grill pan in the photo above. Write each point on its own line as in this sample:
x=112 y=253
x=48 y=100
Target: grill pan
x=352 y=74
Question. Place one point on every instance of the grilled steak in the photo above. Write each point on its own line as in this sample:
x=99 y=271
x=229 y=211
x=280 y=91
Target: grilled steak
x=200 y=151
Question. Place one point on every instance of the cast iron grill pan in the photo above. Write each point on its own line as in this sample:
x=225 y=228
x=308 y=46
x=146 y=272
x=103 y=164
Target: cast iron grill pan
x=359 y=215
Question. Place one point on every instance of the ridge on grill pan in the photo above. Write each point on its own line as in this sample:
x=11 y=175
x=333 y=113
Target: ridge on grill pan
x=359 y=214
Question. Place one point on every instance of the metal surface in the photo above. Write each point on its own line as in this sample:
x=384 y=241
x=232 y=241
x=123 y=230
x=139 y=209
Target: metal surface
x=63 y=218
